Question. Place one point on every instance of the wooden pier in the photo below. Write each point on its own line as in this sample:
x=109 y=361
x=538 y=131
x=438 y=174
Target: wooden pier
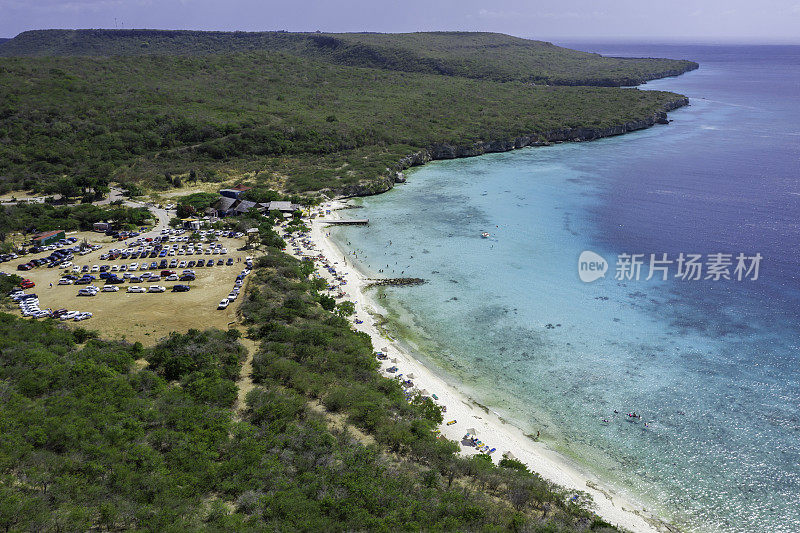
x=348 y=222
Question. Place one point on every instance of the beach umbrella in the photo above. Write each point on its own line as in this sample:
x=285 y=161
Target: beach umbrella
x=471 y=431
x=410 y=375
x=509 y=455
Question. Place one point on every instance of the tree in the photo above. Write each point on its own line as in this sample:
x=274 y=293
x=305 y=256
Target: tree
x=345 y=308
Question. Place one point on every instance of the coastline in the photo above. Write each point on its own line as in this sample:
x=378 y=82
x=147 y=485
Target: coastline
x=489 y=426
x=441 y=151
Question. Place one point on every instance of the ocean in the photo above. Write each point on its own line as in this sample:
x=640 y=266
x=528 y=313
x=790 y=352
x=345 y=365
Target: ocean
x=709 y=366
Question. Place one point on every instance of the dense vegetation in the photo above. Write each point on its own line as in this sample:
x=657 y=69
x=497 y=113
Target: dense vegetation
x=469 y=54
x=299 y=125
x=31 y=218
x=91 y=440
x=104 y=435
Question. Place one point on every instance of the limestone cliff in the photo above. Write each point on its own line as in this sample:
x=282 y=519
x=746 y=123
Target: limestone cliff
x=449 y=151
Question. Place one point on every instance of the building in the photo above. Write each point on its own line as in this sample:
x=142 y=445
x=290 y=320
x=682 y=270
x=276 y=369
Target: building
x=283 y=207
x=244 y=206
x=48 y=237
x=191 y=223
x=101 y=227
x=235 y=192
x=224 y=206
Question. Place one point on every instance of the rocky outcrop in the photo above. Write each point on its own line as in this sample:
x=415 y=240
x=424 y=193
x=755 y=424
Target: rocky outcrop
x=450 y=151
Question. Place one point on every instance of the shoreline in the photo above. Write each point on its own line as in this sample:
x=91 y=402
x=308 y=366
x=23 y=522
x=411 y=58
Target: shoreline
x=490 y=427
x=440 y=151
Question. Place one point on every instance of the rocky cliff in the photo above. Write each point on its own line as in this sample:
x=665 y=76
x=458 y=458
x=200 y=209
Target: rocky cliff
x=449 y=151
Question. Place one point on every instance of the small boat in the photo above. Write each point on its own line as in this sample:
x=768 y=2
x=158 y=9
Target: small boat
x=485 y=234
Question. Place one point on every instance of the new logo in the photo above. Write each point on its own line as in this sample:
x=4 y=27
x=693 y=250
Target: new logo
x=591 y=266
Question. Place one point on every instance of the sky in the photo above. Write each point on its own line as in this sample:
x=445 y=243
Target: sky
x=744 y=21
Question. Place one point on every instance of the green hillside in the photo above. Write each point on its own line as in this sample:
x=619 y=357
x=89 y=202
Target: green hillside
x=94 y=442
x=475 y=55
x=305 y=125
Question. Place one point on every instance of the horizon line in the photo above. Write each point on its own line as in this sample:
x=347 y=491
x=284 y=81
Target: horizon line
x=663 y=40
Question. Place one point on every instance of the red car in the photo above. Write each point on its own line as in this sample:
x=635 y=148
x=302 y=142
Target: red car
x=27 y=284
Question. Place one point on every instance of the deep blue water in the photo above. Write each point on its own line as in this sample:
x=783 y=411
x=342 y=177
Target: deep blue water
x=711 y=366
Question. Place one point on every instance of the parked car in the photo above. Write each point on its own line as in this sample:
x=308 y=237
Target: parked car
x=87 y=292
x=223 y=304
x=27 y=284
x=134 y=288
x=110 y=288
x=180 y=288
x=65 y=281
x=156 y=288
x=171 y=277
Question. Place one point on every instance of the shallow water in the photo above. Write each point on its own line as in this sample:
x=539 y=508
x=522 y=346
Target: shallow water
x=711 y=366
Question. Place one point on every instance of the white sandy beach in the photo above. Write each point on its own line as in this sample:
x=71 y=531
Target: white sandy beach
x=488 y=426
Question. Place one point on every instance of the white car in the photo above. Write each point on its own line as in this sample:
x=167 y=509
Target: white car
x=110 y=288
x=134 y=288
x=115 y=268
x=65 y=281
x=69 y=315
x=95 y=268
x=156 y=288
x=172 y=277
x=182 y=264
x=232 y=296
x=133 y=266
x=76 y=268
x=87 y=292
x=223 y=304
x=82 y=316
x=66 y=265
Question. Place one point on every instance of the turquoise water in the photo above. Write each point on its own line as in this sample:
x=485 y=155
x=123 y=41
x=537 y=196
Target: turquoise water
x=712 y=367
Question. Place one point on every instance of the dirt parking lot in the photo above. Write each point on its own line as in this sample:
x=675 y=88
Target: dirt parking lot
x=144 y=317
